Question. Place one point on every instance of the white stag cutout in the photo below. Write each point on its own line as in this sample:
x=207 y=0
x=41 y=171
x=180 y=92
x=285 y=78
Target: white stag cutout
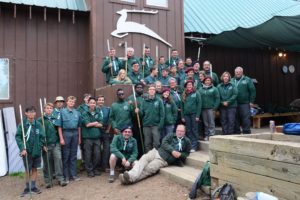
x=124 y=27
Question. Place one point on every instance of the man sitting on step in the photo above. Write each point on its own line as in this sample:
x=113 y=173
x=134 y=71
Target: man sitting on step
x=175 y=148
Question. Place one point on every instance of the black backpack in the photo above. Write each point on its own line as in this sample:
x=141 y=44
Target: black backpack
x=224 y=192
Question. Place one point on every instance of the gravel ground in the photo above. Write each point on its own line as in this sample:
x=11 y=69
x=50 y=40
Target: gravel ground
x=153 y=188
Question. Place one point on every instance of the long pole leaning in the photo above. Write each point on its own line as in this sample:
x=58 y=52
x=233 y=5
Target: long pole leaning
x=125 y=56
x=143 y=60
x=110 y=59
x=47 y=154
x=26 y=156
x=138 y=119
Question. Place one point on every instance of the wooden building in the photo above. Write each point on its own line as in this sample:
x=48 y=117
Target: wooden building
x=59 y=50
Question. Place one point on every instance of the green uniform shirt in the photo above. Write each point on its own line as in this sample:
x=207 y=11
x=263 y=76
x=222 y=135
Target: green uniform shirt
x=50 y=129
x=171 y=143
x=160 y=67
x=228 y=93
x=135 y=77
x=116 y=66
x=164 y=80
x=130 y=60
x=153 y=112
x=191 y=105
x=210 y=97
x=170 y=112
x=115 y=81
x=124 y=149
x=246 y=90
x=150 y=80
x=172 y=61
x=120 y=114
x=91 y=132
x=176 y=96
x=35 y=138
x=69 y=119
x=82 y=108
x=149 y=63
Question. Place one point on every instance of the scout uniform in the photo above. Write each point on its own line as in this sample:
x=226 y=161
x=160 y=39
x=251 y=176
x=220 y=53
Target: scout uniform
x=116 y=66
x=152 y=112
x=214 y=77
x=135 y=77
x=115 y=81
x=228 y=93
x=130 y=60
x=190 y=110
x=160 y=67
x=83 y=108
x=54 y=151
x=210 y=102
x=69 y=121
x=172 y=61
x=124 y=149
x=149 y=63
x=120 y=114
x=91 y=142
x=246 y=95
x=150 y=80
x=164 y=80
x=170 y=117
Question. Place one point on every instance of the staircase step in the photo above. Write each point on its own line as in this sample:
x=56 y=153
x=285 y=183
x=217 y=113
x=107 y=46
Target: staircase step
x=197 y=159
x=185 y=176
x=204 y=145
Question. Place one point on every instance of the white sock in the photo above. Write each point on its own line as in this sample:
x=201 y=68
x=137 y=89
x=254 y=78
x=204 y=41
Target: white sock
x=112 y=172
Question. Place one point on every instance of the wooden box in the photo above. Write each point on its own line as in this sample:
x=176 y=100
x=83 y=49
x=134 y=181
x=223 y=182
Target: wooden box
x=263 y=162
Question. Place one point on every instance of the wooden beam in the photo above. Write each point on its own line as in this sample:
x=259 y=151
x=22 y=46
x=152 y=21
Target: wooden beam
x=15 y=11
x=45 y=14
x=30 y=12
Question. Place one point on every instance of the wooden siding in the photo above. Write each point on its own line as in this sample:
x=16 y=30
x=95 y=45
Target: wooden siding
x=47 y=58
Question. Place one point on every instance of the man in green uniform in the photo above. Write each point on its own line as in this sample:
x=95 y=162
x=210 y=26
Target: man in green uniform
x=245 y=100
x=120 y=112
x=188 y=62
x=147 y=62
x=84 y=107
x=70 y=137
x=111 y=65
x=129 y=59
x=54 y=149
x=181 y=72
x=164 y=79
x=152 y=112
x=92 y=122
x=174 y=58
x=161 y=65
x=174 y=150
x=59 y=104
x=152 y=77
x=135 y=75
x=35 y=138
x=123 y=148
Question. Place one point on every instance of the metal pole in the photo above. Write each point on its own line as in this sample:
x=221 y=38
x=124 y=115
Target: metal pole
x=25 y=148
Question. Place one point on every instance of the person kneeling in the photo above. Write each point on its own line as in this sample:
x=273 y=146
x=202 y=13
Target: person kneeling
x=124 y=148
x=174 y=150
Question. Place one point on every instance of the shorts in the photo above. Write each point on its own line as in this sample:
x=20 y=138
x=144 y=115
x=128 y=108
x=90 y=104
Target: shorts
x=32 y=162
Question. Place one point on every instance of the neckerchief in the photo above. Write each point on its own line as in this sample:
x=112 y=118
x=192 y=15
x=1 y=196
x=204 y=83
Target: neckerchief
x=179 y=143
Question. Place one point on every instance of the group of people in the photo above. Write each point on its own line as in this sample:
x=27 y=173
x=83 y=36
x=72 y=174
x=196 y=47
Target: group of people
x=160 y=123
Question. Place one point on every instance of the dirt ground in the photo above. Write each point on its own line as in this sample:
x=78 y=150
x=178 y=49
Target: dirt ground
x=153 y=188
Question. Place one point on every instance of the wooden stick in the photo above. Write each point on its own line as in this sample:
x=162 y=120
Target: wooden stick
x=143 y=66
x=25 y=148
x=110 y=59
x=138 y=118
x=199 y=50
x=126 y=57
x=47 y=155
x=169 y=56
x=156 y=54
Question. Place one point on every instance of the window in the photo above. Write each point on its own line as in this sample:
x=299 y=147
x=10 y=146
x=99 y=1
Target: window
x=157 y=3
x=4 y=77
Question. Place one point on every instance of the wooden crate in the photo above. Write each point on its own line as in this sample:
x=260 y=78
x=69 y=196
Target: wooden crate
x=267 y=163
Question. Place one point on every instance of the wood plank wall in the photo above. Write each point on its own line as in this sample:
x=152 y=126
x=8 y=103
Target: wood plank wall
x=168 y=23
x=264 y=65
x=47 y=58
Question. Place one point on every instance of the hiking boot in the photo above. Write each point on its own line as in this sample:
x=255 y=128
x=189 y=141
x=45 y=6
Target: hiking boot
x=111 y=178
x=36 y=190
x=48 y=185
x=62 y=183
x=91 y=174
x=25 y=192
x=67 y=180
x=126 y=177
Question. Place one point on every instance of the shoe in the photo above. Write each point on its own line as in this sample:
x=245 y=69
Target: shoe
x=62 y=183
x=192 y=151
x=67 y=180
x=111 y=178
x=126 y=177
x=121 y=178
x=48 y=185
x=36 y=190
x=97 y=173
x=206 y=138
x=25 y=192
x=91 y=174
x=75 y=178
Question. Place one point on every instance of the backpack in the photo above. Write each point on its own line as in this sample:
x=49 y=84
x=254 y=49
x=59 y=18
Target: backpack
x=224 y=192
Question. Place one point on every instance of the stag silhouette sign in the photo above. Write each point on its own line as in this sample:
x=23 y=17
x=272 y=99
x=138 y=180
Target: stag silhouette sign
x=124 y=27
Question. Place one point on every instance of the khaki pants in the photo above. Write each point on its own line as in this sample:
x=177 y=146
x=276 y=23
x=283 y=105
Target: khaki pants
x=148 y=165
